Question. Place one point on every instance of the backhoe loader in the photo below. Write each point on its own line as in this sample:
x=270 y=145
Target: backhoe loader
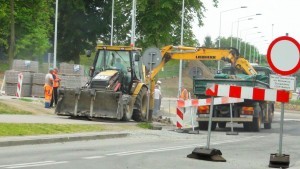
x=115 y=92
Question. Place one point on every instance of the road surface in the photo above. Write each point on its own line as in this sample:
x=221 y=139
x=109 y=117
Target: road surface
x=161 y=149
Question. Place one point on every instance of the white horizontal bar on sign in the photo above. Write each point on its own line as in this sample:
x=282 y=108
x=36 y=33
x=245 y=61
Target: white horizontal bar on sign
x=205 y=102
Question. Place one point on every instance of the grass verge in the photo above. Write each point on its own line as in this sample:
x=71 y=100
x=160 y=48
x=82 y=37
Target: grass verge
x=145 y=125
x=23 y=129
x=5 y=109
x=30 y=129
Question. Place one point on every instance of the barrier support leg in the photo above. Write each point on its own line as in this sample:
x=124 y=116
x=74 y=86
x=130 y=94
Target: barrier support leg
x=207 y=153
x=231 y=123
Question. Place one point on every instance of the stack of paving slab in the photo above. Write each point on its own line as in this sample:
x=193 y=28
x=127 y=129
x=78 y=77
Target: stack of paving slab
x=27 y=68
x=38 y=81
x=72 y=75
x=11 y=82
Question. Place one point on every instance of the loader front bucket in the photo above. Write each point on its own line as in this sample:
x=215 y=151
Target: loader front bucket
x=66 y=102
x=106 y=104
x=88 y=103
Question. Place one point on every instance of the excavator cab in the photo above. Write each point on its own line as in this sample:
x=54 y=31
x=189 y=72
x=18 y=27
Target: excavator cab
x=116 y=79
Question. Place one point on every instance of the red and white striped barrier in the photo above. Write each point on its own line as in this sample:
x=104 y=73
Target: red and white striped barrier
x=253 y=93
x=193 y=103
x=204 y=102
x=19 y=86
x=179 y=116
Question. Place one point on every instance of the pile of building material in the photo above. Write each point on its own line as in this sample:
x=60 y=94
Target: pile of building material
x=25 y=66
x=11 y=82
x=72 y=75
x=38 y=81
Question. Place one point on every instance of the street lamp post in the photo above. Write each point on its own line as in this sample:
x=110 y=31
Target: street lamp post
x=221 y=24
x=112 y=23
x=245 y=51
x=237 y=31
x=247 y=19
x=181 y=43
x=241 y=35
x=55 y=34
x=251 y=47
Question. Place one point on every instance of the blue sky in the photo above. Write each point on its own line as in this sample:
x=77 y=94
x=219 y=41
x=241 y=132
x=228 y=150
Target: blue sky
x=278 y=18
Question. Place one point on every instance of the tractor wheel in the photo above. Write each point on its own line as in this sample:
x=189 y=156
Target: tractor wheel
x=140 y=110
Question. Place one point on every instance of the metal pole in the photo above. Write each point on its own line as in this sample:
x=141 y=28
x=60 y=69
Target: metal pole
x=55 y=33
x=250 y=53
x=281 y=129
x=237 y=34
x=150 y=70
x=133 y=23
x=181 y=43
x=112 y=23
x=231 y=121
x=220 y=38
x=245 y=48
x=210 y=121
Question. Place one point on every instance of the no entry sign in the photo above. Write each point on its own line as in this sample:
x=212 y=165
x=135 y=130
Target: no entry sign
x=284 y=55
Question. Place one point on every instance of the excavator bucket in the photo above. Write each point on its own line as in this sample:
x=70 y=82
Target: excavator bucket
x=88 y=103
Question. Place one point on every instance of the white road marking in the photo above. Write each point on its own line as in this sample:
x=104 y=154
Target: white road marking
x=180 y=147
x=33 y=164
x=93 y=157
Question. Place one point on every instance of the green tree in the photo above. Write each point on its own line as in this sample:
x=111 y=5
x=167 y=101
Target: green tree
x=208 y=43
x=26 y=28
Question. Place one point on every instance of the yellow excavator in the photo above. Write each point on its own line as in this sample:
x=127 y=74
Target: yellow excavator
x=119 y=80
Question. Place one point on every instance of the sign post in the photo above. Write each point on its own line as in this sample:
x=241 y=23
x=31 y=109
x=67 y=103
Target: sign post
x=284 y=58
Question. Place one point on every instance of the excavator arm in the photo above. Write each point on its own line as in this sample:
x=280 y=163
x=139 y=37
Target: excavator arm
x=192 y=53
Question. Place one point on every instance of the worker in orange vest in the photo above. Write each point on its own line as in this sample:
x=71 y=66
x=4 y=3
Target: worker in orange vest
x=184 y=95
x=48 y=87
x=56 y=81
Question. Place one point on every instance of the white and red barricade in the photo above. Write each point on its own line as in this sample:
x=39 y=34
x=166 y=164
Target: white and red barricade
x=19 y=85
x=194 y=103
x=253 y=93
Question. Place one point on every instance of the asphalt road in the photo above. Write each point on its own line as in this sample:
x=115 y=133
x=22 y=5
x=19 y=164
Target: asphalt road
x=161 y=149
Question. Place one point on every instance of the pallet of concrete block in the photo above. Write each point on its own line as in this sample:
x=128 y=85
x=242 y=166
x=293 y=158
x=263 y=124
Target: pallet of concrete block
x=11 y=76
x=11 y=81
x=73 y=81
x=38 y=78
x=37 y=90
x=11 y=89
x=25 y=65
x=71 y=69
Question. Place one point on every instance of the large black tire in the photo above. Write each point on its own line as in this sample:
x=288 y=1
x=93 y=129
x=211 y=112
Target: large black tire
x=256 y=122
x=270 y=117
x=203 y=125
x=140 y=106
x=222 y=125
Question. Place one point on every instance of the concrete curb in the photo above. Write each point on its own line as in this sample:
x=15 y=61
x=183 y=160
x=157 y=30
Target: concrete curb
x=58 y=139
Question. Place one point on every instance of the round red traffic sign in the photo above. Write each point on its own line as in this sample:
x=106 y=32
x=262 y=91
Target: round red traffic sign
x=284 y=55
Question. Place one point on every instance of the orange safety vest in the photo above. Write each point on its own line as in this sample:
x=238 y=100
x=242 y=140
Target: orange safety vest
x=184 y=94
x=48 y=92
x=55 y=80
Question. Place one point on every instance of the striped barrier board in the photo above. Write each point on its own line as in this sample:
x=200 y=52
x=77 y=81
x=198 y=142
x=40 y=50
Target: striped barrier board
x=253 y=93
x=204 y=102
x=19 y=85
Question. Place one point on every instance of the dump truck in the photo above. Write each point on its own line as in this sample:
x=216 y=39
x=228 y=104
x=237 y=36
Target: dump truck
x=250 y=113
x=124 y=93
